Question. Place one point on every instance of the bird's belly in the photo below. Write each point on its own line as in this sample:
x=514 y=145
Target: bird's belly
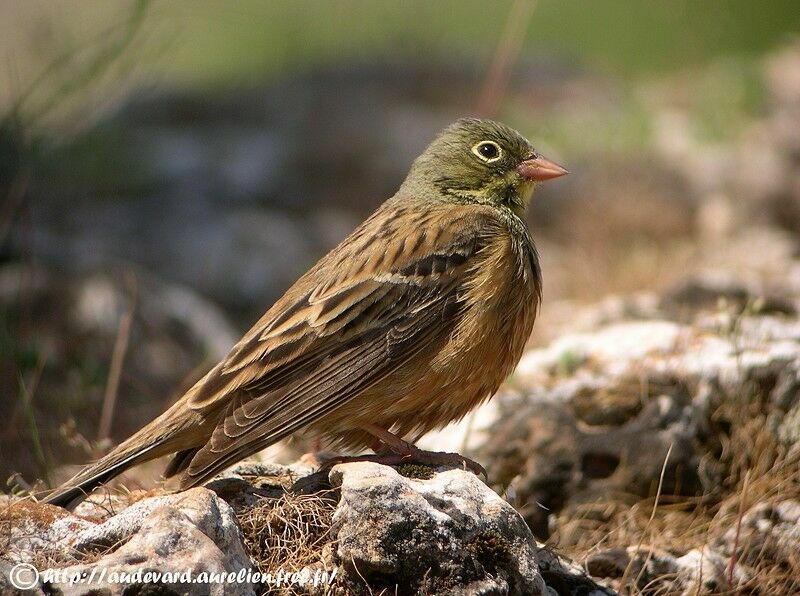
x=442 y=385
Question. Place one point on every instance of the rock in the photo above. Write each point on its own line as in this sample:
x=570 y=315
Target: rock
x=412 y=530
x=705 y=569
x=447 y=534
x=168 y=542
x=441 y=533
x=184 y=534
x=700 y=383
x=768 y=530
x=699 y=571
x=33 y=527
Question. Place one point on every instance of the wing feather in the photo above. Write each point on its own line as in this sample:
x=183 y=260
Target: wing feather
x=322 y=345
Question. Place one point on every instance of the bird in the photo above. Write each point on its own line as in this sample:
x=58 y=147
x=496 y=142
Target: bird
x=413 y=320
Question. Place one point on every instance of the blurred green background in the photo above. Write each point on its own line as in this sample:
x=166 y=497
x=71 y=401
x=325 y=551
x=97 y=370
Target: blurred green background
x=209 y=44
x=178 y=164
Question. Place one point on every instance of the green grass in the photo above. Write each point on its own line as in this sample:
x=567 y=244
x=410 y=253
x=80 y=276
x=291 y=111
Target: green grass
x=641 y=37
x=215 y=43
x=218 y=41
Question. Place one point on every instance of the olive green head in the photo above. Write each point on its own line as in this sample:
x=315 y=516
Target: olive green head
x=481 y=161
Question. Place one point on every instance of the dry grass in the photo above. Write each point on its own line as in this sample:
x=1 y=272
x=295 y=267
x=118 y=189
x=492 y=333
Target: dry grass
x=290 y=532
x=760 y=472
x=22 y=520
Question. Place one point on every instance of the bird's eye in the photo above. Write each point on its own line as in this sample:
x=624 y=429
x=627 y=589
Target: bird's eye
x=487 y=151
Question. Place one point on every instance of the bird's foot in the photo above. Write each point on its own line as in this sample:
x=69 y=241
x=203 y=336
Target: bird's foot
x=387 y=459
x=443 y=458
x=414 y=456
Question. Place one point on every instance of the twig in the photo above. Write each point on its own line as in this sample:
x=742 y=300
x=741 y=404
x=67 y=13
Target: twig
x=366 y=584
x=508 y=49
x=14 y=198
x=115 y=369
x=700 y=571
x=27 y=405
x=647 y=526
x=734 y=553
x=95 y=65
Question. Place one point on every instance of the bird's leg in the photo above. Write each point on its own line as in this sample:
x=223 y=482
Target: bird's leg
x=384 y=454
x=403 y=452
x=412 y=453
x=391 y=440
x=379 y=447
x=389 y=459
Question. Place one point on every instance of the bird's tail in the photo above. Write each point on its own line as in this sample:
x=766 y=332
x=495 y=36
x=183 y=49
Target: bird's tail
x=154 y=440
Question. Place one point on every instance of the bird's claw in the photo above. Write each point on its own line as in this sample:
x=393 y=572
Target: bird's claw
x=415 y=455
x=443 y=458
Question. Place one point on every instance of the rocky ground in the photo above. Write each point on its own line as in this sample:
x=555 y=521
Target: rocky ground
x=362 y=528
x=652 y=448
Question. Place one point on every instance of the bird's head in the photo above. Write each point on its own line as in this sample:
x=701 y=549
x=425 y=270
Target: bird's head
x=481 y=161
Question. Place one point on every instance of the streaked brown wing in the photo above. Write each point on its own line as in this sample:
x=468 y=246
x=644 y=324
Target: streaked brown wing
x=383 y=301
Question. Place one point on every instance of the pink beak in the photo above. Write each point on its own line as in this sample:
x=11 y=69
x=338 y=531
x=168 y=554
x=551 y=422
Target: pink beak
x=539 y=169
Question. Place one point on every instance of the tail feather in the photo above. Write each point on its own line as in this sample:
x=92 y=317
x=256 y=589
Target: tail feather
x=84 y=482
x=178 y=429
x=164 y=435
x=180 y=461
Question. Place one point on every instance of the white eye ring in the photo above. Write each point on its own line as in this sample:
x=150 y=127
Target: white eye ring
x=487 y=151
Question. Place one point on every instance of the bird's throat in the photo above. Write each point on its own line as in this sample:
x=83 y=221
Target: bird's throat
x=518 y=196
